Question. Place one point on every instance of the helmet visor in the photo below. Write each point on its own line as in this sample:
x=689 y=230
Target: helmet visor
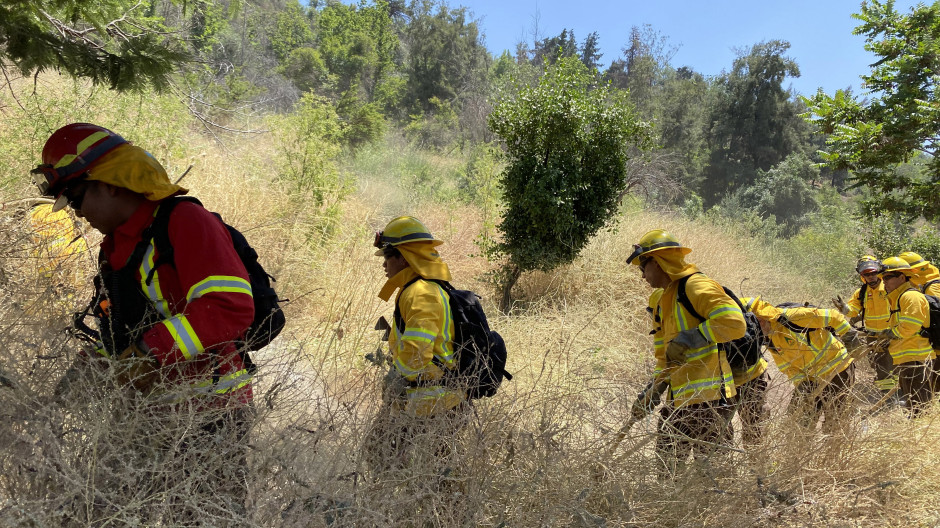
x=43 y=179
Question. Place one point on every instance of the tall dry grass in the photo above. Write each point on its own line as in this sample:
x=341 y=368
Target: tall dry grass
x=579 y=351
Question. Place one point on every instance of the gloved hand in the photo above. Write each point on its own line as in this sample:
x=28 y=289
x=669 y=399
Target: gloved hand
x=137 y=367
x=648 y=400
x=394 y=386
x=853 y=340
x=684 y=341
x=878 y=335
x=840 y=304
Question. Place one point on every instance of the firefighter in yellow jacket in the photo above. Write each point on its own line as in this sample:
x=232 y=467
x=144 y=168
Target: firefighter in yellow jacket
x=689 y=365
x=420 y=402
x=803 y=343
x=912 y=354
x=927 y=278
x=869 y=304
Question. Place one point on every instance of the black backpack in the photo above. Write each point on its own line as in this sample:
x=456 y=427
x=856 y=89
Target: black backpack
x=742 y=353
x=269 y=317
x=790 y=325
x=932 y=332
x=479 y=351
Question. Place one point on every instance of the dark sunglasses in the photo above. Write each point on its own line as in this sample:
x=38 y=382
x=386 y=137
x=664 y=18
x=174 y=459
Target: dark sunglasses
x=892 y=275
x=76 y=195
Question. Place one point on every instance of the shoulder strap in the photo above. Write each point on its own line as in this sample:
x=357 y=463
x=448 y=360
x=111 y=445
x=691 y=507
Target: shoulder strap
x=683 y=297
x=791 y=326
x=159 y=232
x=399 y=320
x=929 y=284
x=899 y=300
x=862 y=292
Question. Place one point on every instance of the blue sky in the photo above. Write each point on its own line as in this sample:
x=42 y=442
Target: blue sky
x=706 y=31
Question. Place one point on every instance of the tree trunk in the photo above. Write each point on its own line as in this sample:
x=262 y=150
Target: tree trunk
x=512 y=273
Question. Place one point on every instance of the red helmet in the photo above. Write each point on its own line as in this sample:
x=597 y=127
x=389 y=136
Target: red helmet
x=68 y=154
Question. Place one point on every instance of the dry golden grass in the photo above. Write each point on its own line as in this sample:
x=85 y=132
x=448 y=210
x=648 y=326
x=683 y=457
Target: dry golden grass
x=579 y=351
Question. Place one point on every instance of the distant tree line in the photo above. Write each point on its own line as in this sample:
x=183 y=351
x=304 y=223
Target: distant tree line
x=739 y=139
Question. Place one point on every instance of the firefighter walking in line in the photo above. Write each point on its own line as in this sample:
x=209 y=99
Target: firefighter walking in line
x=168 y=331
x=691 y=369
x=751 y=385
x=912 y=353
x=423 y=411
x=803 y=344
x=869 y=305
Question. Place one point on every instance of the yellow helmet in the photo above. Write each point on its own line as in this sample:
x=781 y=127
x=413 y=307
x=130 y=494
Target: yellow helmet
x=916 y=261
x=867 y=263
x=892 y=264
x=653 y=241
x=402 y=230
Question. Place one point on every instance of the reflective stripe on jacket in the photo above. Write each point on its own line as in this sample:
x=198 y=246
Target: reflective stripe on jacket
x=706 y=375
x=877 y=310
x=425 y=346
x=812 y=355
x=909 y=313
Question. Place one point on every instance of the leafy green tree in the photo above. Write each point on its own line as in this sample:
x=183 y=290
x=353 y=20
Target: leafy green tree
x=901 y=117
x=113 y=42
x=784 y=193
x=567 y=145
x=292 y=30
x=681 y=116
x=358 y=45
x=755 y=121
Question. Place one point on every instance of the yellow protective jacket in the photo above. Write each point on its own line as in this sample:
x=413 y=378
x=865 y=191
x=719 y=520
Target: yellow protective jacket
x=812 y=355
x=877 y=310
x=55 y=240
x=909 y=313
x=933 y=289
x=425 y=345
x=706 y=375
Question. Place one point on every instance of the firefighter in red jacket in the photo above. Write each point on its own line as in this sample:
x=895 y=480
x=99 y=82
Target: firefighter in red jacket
x=167 y=331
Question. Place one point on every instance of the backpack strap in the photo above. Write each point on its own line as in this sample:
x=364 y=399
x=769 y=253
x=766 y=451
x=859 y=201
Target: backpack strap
x=862 y=293
x=683 y=297
x=929 y=284
x=791 y=326
x=159 y=232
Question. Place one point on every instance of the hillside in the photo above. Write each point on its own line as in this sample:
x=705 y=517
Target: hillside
x=578 y=341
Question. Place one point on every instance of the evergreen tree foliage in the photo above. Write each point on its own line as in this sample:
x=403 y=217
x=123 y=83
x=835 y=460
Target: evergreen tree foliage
x=591 y=52
x=445 y=56
x=112 y=42
x=755 y=123
x=567 y=145
x=550 y=49
x=900 y=119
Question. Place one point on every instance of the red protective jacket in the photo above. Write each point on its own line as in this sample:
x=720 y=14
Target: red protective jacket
x=204 y=300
